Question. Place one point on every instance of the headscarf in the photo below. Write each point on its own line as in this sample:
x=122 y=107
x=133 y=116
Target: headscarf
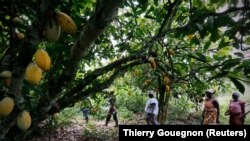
x=236 y=94
x=210 y=91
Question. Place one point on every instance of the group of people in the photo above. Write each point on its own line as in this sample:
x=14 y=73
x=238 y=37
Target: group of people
x=111 y=111
x=211 y=112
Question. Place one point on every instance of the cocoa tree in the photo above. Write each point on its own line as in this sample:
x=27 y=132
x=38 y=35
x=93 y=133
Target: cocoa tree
x=189 y=42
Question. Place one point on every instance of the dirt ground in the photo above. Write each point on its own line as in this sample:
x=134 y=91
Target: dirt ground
x=75 y=131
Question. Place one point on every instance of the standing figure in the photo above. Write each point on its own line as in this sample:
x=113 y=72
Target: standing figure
x=112 y=110
x=211 y=112
x=236 y=110
x=85 y=112
x=151 y=109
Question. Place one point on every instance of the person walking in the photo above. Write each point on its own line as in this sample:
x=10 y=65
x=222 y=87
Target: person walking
x=151 y=109
x=112 y=110
x=236 y=110
x=211 y=111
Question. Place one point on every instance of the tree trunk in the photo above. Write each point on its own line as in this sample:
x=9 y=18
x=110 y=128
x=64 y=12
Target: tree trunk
x=163 y=105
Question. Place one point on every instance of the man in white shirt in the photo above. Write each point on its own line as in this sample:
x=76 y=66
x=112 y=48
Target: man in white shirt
x=152 y=109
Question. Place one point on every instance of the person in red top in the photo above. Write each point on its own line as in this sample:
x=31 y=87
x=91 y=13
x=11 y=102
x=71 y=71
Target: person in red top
x=211 y=112
x=236 y=110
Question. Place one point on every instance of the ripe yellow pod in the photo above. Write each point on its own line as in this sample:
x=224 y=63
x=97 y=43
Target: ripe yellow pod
x=24 y=120
x=66 y=23
x=171 y=52
x=166 y=81
x=152 y=62
x=20 y=36
x=167 y=87
x=6 y=106
x=42 y=59
x=33 y=74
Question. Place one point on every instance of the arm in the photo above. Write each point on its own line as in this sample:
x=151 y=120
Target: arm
x=152 y=105
x=202 y=118
x=217 y=106
x=227 y=112
x=243 y=111
x=243 y=107
x=203 y=113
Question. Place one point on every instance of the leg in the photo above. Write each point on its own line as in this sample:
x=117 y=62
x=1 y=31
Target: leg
x=116 y=120
x=87 y=119
x=107 y=119
x=147 y=119
x=150 y=119
x=155 y=122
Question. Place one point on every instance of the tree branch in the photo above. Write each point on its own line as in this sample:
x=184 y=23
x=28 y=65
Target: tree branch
x=170 y=13
x=198 y=18
x=34 y=35
x=105 y=12
x=67 y=101
x=98 y=72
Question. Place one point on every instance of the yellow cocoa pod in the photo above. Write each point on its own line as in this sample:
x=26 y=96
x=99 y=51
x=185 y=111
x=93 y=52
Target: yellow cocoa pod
x=33 y=74
x=42 y=59
x=5 y=74
x=171 y=52
x=167 y=88
x=190 y=37
x=52 y=30
x=152 y=62
x=20 y=36
x=66 y=23
x=17 y=20
x=24 y=120
x=6 y=106
x=166 y=81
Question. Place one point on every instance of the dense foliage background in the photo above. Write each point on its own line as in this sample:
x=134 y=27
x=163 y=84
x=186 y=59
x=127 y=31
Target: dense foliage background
x=197 y=44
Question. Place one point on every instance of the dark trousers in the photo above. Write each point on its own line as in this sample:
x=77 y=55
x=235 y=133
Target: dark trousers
x=151 y=119
x=114 y=117
x=87 y=119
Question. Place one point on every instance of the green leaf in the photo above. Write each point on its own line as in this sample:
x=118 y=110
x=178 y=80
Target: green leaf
x=207 y=45
x=156 y=2
x=214 y=35
x=143 y=2
x=225 y=51
x=194 y=41
x=236 y=45
x=200 y=27
x=223 y=43
x=246 y=70
x=239 y=54
x=198 y=56
x=203 y=33
x=223 y=21
x=219 y=75
x=238 y=85
x=247 y=40
x=230 y=63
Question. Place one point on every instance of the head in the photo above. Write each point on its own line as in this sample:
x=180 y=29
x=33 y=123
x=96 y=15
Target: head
x=209 y=93
x=150 y=94
x=235 y=95
x=112 y=92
